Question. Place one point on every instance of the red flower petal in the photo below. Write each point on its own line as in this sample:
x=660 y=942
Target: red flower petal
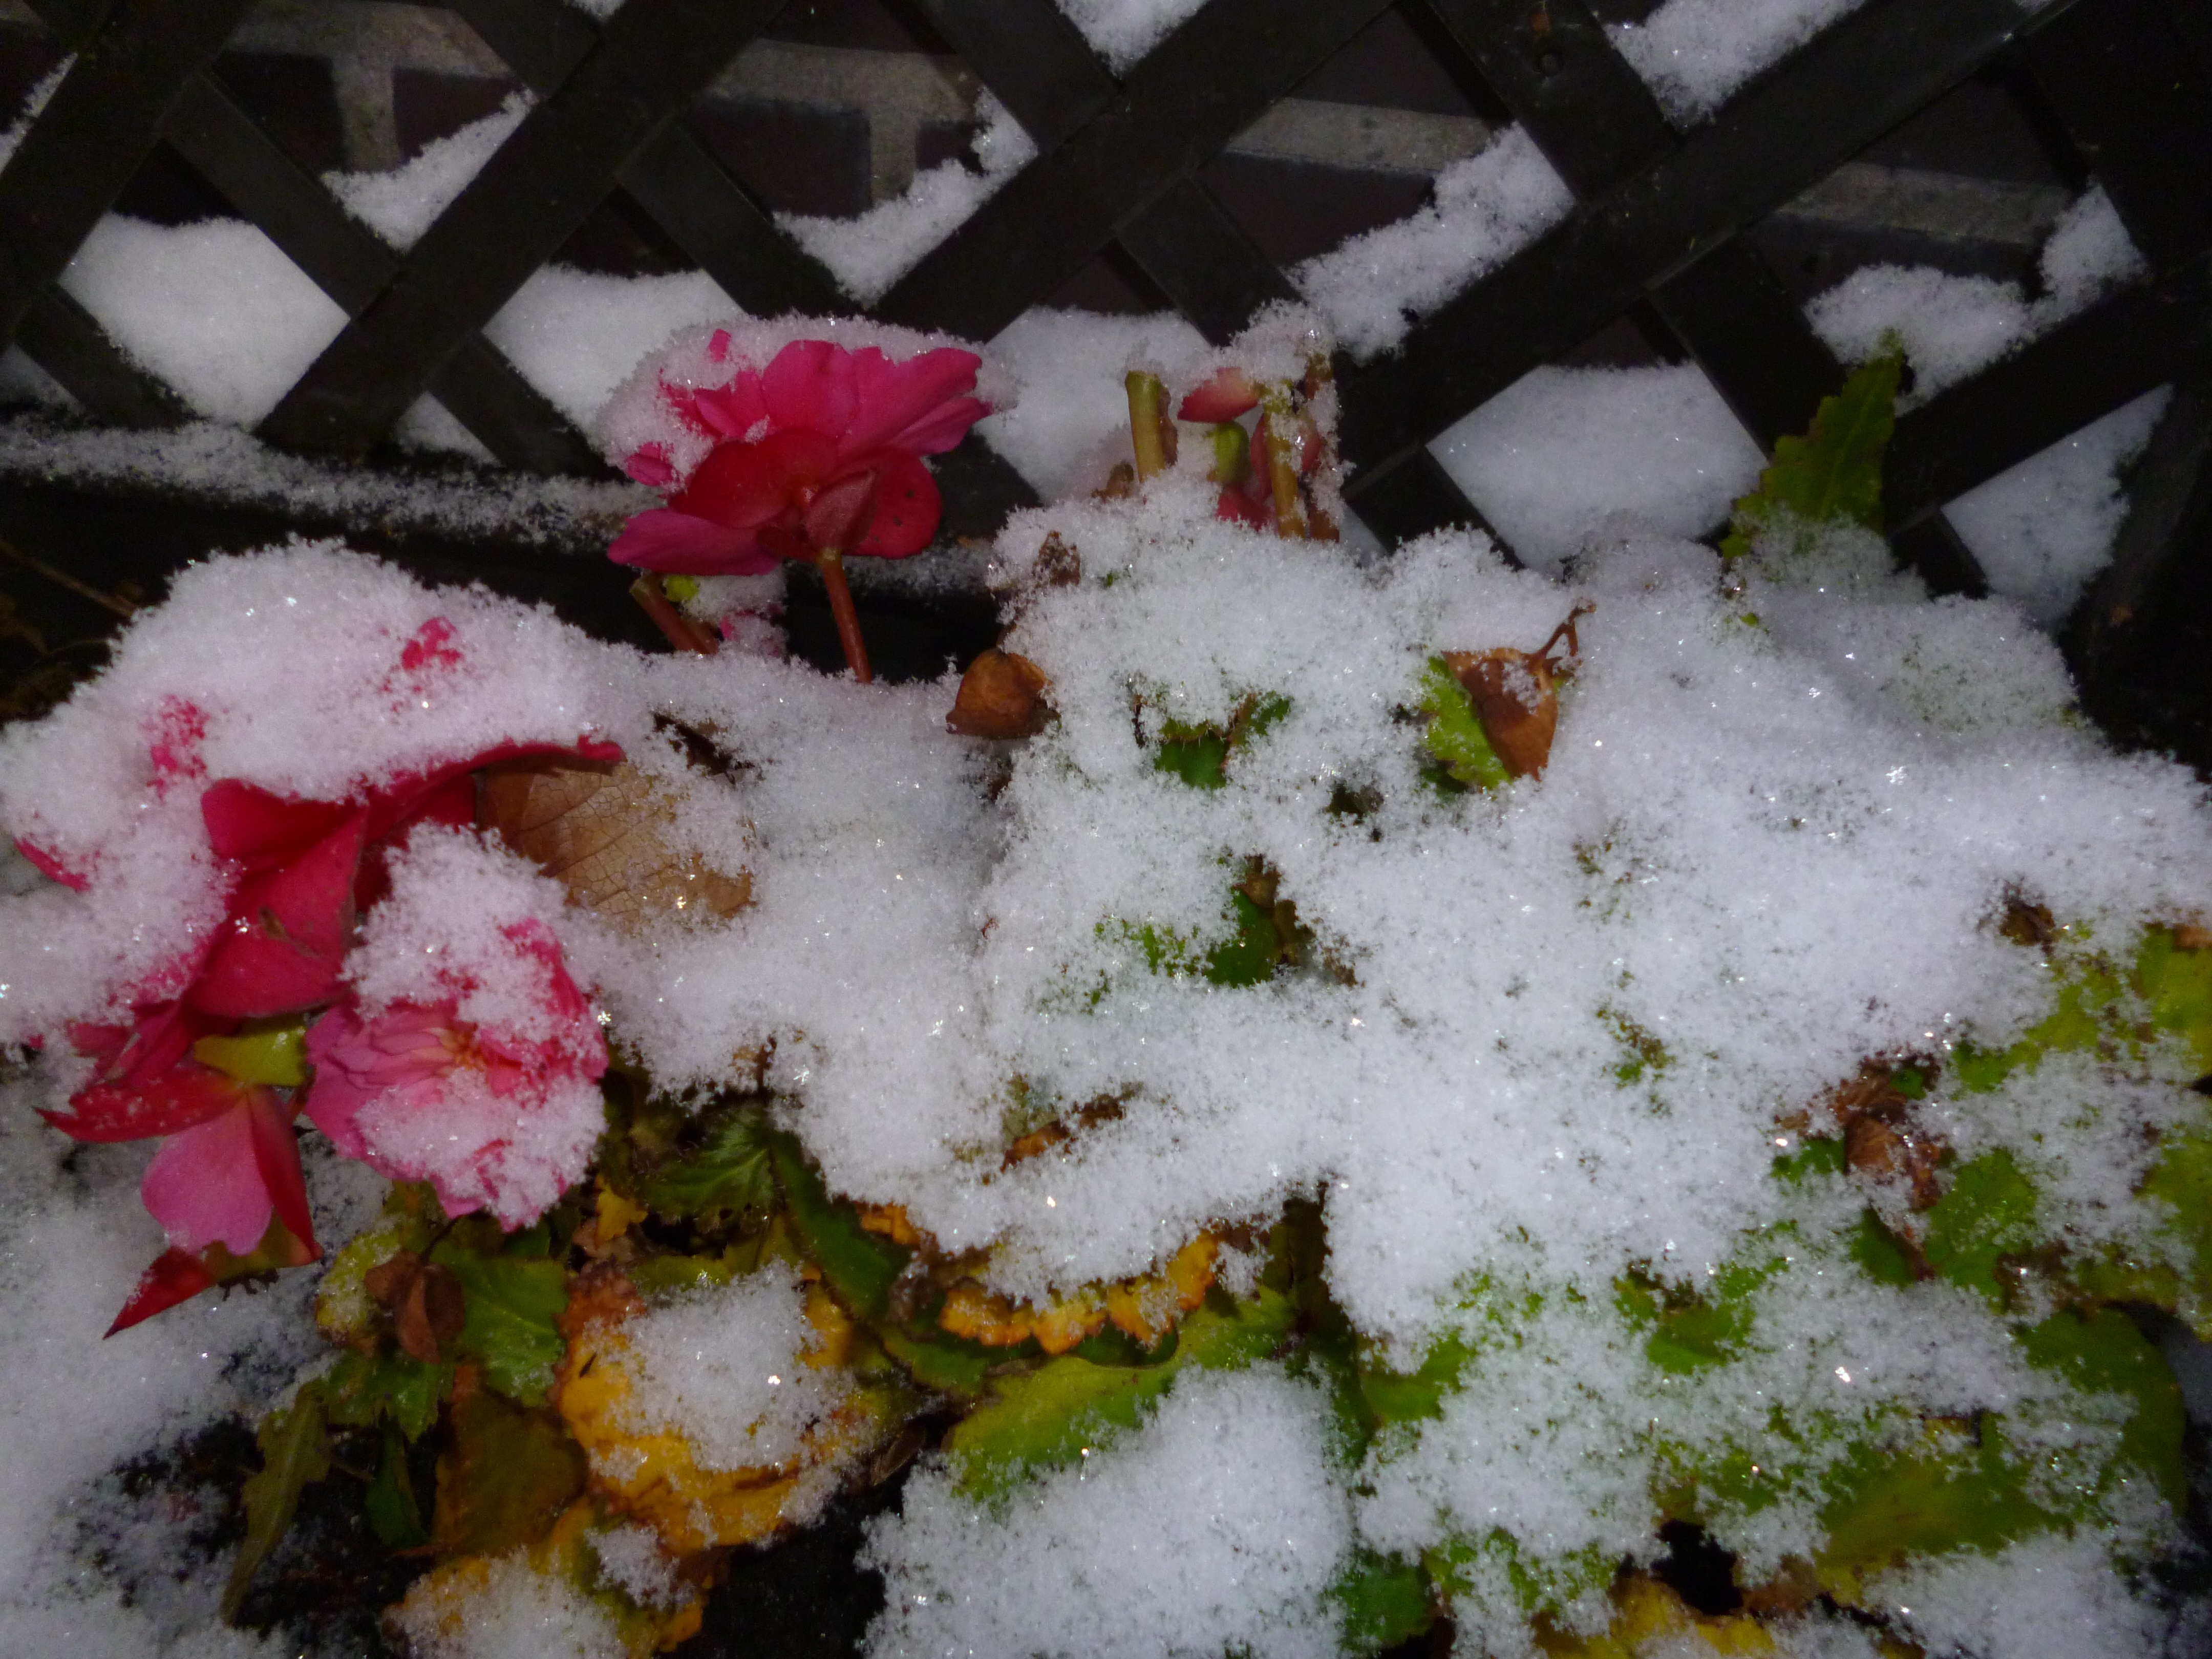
x=908 y=507
x=838 y=516
x=908 y=405
x=277 y=1154
x=186 y=1097
x=176 y=1276
x=50 y=867
x=1238 y=507
x=287 y=930
x=261 y=830
x=812 y=385
x=744 y=486
x=649 y=464
x=1224 y=395
x=731 y=411
x=663 y=538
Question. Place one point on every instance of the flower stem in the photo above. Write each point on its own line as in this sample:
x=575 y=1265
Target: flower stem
x=682 y=631
x=1152 y=434
x=830 y=560
x=1279 y=432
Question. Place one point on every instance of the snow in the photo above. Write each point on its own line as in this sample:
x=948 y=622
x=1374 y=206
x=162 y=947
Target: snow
x=871 y=251
x=33 y=102
x=727 y=1370
x=514 y=1610
x=401 y=204
x=1694 y=53
x=1219 y=1525
x=2044 y=528
x=1953 y=327
x=1123 y=31
x=1566 y=457
x=1487 y=208
x=214 y=308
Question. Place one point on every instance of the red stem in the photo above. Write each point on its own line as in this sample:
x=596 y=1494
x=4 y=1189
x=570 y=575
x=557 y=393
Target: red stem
x=830 y=562
x=682 y=631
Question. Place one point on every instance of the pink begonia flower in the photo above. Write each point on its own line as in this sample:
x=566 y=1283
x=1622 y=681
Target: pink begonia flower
x=820 y=450
x=494 y=1119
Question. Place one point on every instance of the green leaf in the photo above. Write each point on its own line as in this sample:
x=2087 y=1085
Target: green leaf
x=1049 y=1416
x=1454 y=734
x=513 y=1312
x=1814 y=1157
x=1250 y=955
x=2103 y=1352
x=942 y=1364
x=390 y=1387
x=1199 y=754
x=661 y=1279
x=1884 y=1505
x=861 y=1265
x=1833 y=473
x=296 y=1453
x=395 y=1514
x=2177 y=983
x=1408 y=1396
x=1385 y=1601
x=1989 y=1214
x=1879 y=1256
x=731 y=1171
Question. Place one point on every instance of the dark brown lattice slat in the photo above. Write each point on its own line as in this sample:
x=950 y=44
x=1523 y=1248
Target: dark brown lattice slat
x=134 y=60
x=1865 y=76
x=651 y=60
x=673 y=178
x=478 y=385
x=2138 y=105
x=1196 y=91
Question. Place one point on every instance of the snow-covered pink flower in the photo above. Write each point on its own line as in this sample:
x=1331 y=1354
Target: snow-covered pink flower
x=497 y=1115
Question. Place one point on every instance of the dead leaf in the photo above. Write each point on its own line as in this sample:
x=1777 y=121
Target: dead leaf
x=1001 y=695
x=424 y=1300
x=1058 y=565
x=1516 y=695
x=505 y=1476
x=601 y=831
x=2193 y=936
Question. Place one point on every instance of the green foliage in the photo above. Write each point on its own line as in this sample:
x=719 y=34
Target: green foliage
x=1949 y=1491
x=515 y=1306
x=1455 y=735
x=729 y=1173
x=1693 y=1330
x=1833 y=473
x=1880 y=1255
x=296 y=1453
x=394 y=1513
x=661 y=1279
x=1385 y=1599
x=860 y=1267
x=2177 y=985
x=1814 y=1157
x=942 y=1362
x=2103 y=1352
x=1250 y=955
x=1987 y=1216
x=391 y=1387
x=1051 y=1416
x=1199 y=754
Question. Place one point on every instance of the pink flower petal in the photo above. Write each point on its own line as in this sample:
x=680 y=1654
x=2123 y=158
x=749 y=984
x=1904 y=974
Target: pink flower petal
x=842 y=513
x=731 y=411
x=287 y=930
x=187 y=1097
x=205 y=1186
x=942 y=429
x=665 y=539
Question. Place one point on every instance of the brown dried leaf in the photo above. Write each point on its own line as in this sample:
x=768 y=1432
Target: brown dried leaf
x=425 y=1301
x=2193 y=936
x=1001 y=695
x=505 y=1475
x=1514 y=697
x=600 y=830
x=1058 y=565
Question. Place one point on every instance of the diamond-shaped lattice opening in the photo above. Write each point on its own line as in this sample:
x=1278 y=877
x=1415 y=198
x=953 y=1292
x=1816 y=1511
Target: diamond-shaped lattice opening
x=1356 y=144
